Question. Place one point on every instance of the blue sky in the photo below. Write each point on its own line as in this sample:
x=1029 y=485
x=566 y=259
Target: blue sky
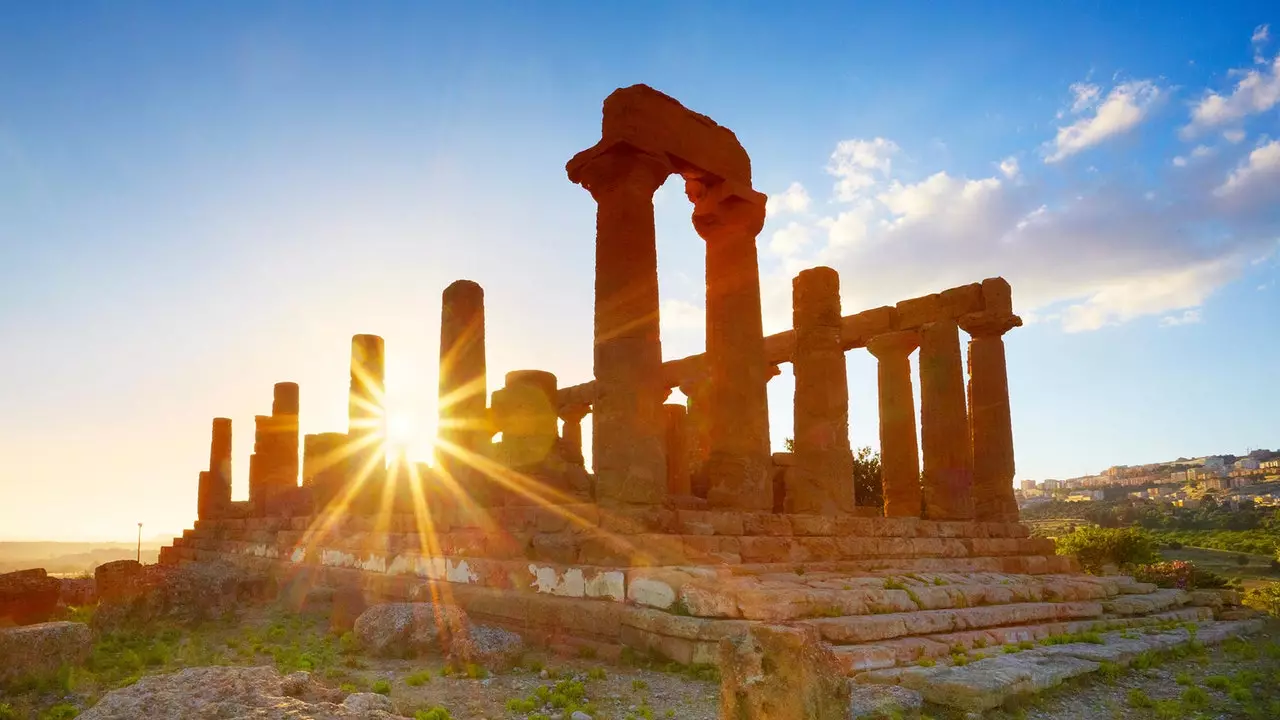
x=199 y=200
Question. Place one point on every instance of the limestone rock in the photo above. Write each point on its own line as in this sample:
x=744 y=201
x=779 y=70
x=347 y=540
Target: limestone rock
x=28 y=596
x=407 y=629
x=881 y=701
x=76 y=592
x=781 y=673
x=40 y=649
x=116 y=580
x=180 y=593
x=490 y=647
x=225 y=693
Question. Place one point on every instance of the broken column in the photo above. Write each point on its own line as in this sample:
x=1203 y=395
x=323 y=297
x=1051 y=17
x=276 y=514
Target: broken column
x=821 y=481
x=524 y=412
x=463 y=428
x=944 y=425
x=366 y=423
x=214 y=495
x=571 y=434
x=677 y=450
x=728 y=216
x=258 y=465
x=899 y=453
x=990 y=423
x=627 y=428
x=284 y=437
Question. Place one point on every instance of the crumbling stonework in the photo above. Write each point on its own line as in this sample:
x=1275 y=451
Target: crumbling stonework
x=781 y=673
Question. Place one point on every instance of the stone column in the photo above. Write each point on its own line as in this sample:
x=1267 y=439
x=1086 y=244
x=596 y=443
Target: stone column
x=218 y=496
x=324 y=466
x=571 y=435
x=627 y=430
x=284 y=414
x=366 y=422
x=990 y=424
x=697 y=431
x=944 y=425
x=677 y=450
x=822 y=479
x=729 y=219
x=524 y=411
x=899 y=452
x=258 y=467
x=463 y=429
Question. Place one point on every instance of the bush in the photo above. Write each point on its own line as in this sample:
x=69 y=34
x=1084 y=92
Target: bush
x=1173 y=545
x=1182 y=574
x=1096 y=547
x=1265 y=598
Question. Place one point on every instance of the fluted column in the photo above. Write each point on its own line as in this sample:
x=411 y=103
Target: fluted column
x=822 y=478
x=463 y=427
x=627 y=427
x=990 y=423
x=366 y=422
x=571 y=435
x=728 y=218
x=899 y=452
x=944 y=425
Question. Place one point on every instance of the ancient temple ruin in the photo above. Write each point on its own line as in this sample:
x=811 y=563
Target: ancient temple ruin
x=686 y=526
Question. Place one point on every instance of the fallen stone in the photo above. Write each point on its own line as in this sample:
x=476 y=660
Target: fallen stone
x=213 y=693
x=77 y=592
x=489 y=647
x=408 y=629
x=34 y=651
x=185 y=594
x=781 y=673
x=28 y=596
x=883 y=701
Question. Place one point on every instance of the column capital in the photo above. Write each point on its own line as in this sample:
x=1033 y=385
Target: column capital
x=772 y=371
x=616 y=169
x=894 y=344
x=574 y=412
x=725 y=209
x=988 y=324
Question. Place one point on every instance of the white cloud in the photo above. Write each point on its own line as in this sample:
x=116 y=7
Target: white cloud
x=1085 y=94
x=1123 y=109
x=1258 y=40
x=1009 y=167
x=1179 y=161
x=681 y=315
x=1233 y=136
x=795 y=199
x=858 y=163
x=1257 y=92
x=1188 y=317
x=789 y=240
x=1200 y=151
x=1259 y=172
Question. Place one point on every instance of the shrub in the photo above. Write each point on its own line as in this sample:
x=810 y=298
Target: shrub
x=422 y=677
x=1217 y=682
x=1194 y=697
x=1173 y=545
x=382 y=687
x=7 y=712
x=435 y=713
x=1096 y=547
x=1139 y=699
x=1265 y=598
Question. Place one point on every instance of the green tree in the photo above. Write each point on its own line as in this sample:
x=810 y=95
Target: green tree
x=867 y=485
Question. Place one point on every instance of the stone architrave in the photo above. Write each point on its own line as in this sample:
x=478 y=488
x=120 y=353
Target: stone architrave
x=366 y=423
x=677 y=450
x=571 y=434
x=822 y=479
x=728 y=216
x=990 y=423
x=944 y=425
x=463 y=427
x=899 y=452
x=627 y=429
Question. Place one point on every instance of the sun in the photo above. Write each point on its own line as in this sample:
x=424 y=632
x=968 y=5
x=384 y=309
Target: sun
x=402 y=429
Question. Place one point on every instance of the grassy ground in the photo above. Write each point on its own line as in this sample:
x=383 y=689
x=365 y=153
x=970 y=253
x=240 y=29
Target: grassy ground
x=1258 y=571
x=289 y=642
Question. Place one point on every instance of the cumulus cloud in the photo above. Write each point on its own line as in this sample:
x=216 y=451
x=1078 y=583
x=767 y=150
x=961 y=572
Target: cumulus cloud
x=1257 y=91
x=1123 y=109
x=1233 y=136
x=860 y=164
x=681 y=315
x=1259 y=172
x=789 y=240
x=795 y=199
x=1009 y=167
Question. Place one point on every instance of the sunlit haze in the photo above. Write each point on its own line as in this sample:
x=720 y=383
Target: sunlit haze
x=198 y=203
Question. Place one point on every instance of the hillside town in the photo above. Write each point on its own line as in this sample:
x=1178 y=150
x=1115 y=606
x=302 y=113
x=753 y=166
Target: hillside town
x=1251 y=478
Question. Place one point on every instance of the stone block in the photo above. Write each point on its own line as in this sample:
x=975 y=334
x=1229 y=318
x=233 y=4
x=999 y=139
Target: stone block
x=555 y=547
x=962 y=300
x=781 y=673
x=916 y=312
x=709 y=601
x=764 y=548
x=813 y=525
x=851 y=525
x=769 y=524
x=817 y=548
x=726 y=522
x=997 y=296
x=856 y=330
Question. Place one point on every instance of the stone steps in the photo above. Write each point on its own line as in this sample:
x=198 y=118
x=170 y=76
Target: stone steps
x=872 y=628
x=992 y=640
x=987 y=683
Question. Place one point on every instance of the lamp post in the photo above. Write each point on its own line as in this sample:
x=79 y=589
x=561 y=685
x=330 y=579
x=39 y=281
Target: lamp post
x=139 y=542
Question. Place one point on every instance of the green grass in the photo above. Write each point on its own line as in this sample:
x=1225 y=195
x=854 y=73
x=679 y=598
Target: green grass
x=417 y=679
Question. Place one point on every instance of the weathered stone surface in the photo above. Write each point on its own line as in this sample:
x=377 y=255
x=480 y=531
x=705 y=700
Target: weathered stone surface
x=490 y=647
x=899 y=458
x=28 y=596
x=76 y=592
x=989 y=420
x=463 y=423
x=882 y=701
x=34 y=651
x=944 y=425
x=407 y=629
x=985 y=684
x=781 y=673
x=213 y=693
x=184 y=594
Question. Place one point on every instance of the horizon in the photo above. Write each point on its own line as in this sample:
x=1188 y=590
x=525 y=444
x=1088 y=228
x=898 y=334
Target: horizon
x=198 y=203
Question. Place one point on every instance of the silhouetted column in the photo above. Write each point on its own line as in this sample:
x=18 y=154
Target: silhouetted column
x=677 y=451
x=216 y=495
x=463 y=429
x=627 y=427
x=524 y=411
x=822 y=478
x=259 y=465
x=571 y=435
x=944 y=425
x=324 y=466
x=284 y=421
x=366 y=418
x=899 y=452
x=729 y=219
x=990 y=423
